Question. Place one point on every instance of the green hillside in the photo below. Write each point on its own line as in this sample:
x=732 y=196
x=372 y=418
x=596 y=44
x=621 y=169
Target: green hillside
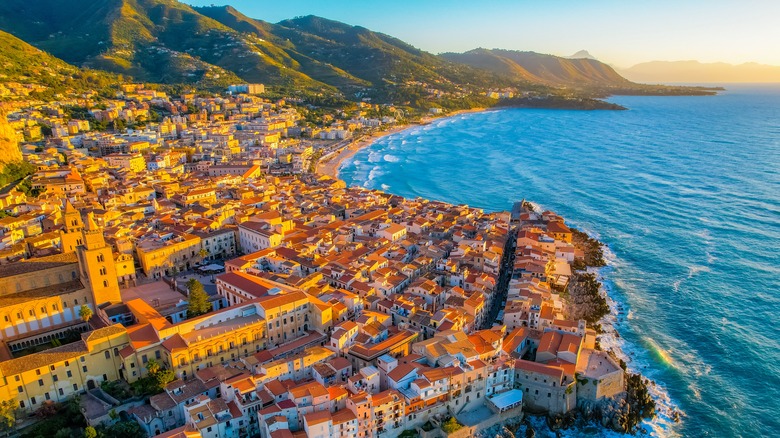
x=23 y=63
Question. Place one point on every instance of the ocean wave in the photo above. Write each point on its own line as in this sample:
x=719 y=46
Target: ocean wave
x=391 y=158
x=610 y=340
x=374 y=156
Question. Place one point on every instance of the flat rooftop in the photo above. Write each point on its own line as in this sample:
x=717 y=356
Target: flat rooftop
x=508 y=398
x=157 y=294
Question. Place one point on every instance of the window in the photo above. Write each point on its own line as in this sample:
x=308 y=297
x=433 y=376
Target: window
x=47 y=396
x=32 y=312
x=32 y=400
x=75 y=387
x=61 y=392
x=144 y=359
x=157 y=354
x=20 y=389
x=70 y=374
x=84 y=368
x=105 y=283
x=37 y=372
x=55 y=377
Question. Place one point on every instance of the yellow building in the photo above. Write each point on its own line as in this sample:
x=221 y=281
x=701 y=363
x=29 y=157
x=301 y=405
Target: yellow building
x=190 y=345
x=158 y=255
x=59 y=373
x=133 y=162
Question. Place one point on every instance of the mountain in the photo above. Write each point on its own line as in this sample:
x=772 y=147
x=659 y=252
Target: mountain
x=694 y=71
x=151 y=40
x=582 y=54
x=170 y=42
x=348 y=56
x=540 y=68
x=166 y=41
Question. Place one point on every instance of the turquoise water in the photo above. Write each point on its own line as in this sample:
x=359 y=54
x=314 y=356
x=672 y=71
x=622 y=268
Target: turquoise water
x=685 y=191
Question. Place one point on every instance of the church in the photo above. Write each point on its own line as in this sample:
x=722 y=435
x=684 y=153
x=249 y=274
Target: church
x=42 y=299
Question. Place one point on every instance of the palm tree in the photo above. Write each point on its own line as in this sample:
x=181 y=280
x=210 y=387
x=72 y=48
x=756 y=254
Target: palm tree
x=203 y=253
x=85 y=313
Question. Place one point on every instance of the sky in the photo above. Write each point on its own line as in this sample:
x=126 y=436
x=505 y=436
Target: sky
x=622 y=33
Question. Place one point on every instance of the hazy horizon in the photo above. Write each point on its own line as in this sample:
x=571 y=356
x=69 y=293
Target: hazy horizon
x=619 y=33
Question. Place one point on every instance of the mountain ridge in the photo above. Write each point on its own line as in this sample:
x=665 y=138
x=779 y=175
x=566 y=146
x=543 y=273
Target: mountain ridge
x=170 y=42
x=537 y=67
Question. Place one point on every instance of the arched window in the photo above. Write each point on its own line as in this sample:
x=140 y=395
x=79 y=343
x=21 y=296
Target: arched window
x=105 y=283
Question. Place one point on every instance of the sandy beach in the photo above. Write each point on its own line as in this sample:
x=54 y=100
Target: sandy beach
x=330 y=165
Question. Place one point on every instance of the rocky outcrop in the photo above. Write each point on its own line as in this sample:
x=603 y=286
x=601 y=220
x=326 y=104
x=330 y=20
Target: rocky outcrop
x=9 y=147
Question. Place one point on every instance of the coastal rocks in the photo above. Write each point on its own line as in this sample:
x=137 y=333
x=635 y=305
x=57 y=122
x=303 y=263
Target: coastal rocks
x=623 y=414
x=508 y=429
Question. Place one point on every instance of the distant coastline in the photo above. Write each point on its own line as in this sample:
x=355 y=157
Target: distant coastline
x=331 y=164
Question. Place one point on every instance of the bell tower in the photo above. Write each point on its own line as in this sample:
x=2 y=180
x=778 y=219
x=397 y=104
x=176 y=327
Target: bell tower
x=96 y=260
x=71 y=236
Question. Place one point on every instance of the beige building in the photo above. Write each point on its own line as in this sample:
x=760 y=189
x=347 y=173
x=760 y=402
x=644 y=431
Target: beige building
x=59 y=373
x=159 y=255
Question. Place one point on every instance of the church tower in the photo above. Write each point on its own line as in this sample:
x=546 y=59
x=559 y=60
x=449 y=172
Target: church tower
x=96 y=260
x=71 y=236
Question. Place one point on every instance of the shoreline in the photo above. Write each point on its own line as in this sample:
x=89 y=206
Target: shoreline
x=331 y=166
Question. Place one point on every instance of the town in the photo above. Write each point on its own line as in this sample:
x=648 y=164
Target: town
x=187 y=273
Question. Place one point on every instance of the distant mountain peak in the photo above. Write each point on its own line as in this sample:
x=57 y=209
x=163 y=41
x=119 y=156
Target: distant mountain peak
x=582 y=54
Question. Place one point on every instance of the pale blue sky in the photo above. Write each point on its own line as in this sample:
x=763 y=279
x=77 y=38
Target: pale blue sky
x=620 y=32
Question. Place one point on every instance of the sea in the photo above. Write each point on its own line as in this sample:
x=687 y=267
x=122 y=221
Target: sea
x=685 y=194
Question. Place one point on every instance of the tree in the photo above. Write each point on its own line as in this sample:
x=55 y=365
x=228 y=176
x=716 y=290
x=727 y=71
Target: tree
x=153 y=367
x=85 y=313
x=164 y=377
x=155 y=382
x=199 y=300
x=203 y=253
x=451 y=425
x=90 y=432
x=8 y=414
x=125 y=429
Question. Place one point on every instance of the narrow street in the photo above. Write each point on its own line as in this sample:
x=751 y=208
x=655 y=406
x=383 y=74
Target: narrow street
x=505 y=274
